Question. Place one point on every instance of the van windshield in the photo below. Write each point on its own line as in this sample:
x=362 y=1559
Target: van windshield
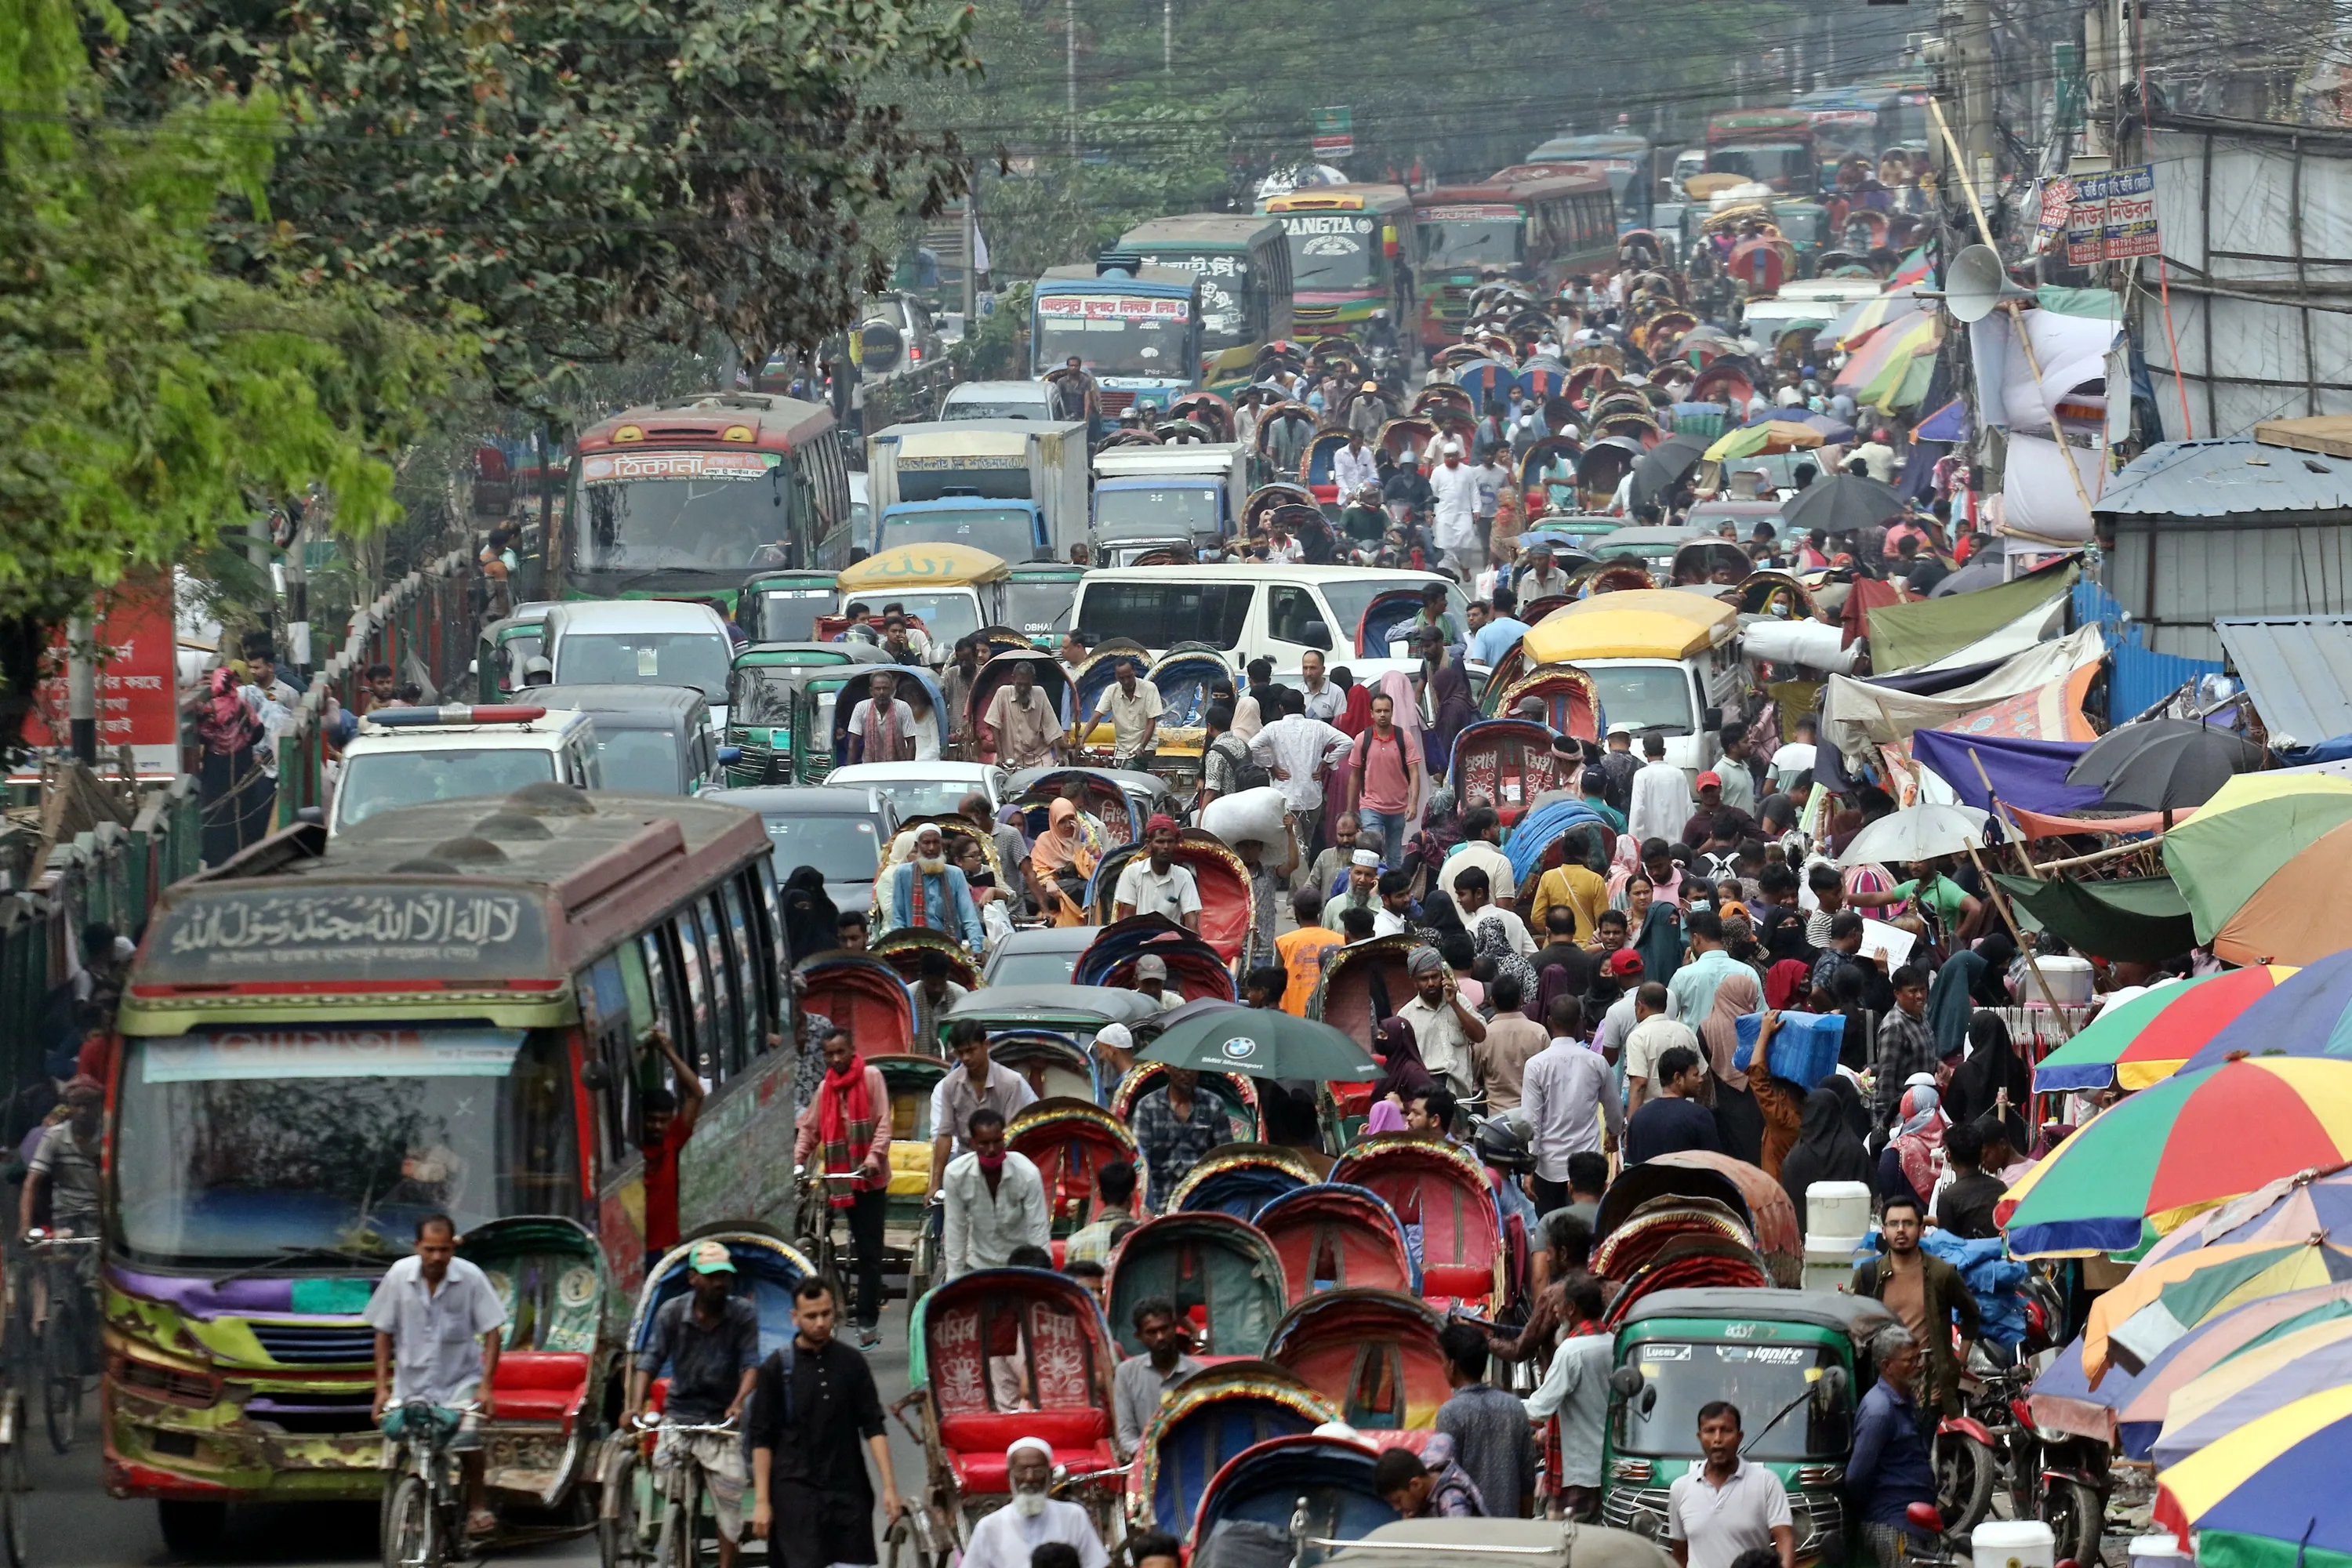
x=1647 y=696
x=379 y=781
x=644 y=659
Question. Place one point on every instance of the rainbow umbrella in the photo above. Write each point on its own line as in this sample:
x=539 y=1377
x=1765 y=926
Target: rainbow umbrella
x=2168 y=1153
x=2297 y=914
x=2145 y=1040
x=2309 y=1014
x=2251 y=1384
x=2238 y=840
x=1915 y=268
x=2158 y=1303
x=2142 y=1403
x=2272 y=1493
x=1865 y=318
x=2288 y=1209
x=1773 y=435
x=1885 y=351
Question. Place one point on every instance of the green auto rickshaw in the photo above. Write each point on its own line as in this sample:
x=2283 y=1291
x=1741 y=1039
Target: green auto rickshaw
x=507 y=646
x=1796 y=1364
x=785 y=605
x=763 y=683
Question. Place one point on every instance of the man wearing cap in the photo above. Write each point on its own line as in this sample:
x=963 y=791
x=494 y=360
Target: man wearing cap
x=1114 y=1048
x=1711 y=816
x=1362 y=888
x=1153 y=884
x=1152 y=980
x=1539 y=578
x=1011 y=1536
x=925 y=890
x=1442 y=1027
x=709 y=1340
x=1661 y=802
x=814 y=1407
x=1454 y=523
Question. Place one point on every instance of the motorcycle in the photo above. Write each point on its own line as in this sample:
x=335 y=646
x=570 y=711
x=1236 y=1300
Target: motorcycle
x=2054 y=1477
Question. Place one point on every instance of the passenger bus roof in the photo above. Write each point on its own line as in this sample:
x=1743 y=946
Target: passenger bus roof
x=1240 y=230
x=773 y=421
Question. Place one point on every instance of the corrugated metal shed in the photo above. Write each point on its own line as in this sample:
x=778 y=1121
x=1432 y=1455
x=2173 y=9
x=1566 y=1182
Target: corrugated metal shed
x=2226 y=478
x=2298 y=671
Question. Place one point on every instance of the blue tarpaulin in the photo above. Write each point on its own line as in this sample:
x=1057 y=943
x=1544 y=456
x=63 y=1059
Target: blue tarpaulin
x=2028 y=774
x=1536 y=831
x=1991 y=1277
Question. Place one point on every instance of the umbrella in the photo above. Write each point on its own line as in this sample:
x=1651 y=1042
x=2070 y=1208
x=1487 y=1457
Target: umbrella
x=2143 y=1402
x=1842 y=503
x=2164 y=765
x=2166 y=1153
x=2251 y=826
x=1774 y=435
x=2270 y=1494
x=1870 y=315
x=2298 y=916
x=2159 y=1302
x=2288 y=1209
x=1664 y=465
x=1917 y=833
x=2252 y=1383
x=1985 y=569
x=2308 y=1014
x=1832 y=428
x=1880 y=375
x=1261 y=1043
x=2146 y=1039
x=1950 y=423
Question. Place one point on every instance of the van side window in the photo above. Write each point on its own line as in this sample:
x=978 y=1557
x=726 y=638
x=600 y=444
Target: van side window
x=1161 y=614
x=1288 y=612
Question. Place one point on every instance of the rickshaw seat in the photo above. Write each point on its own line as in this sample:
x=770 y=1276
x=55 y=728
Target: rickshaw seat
x=1060 y=1247
x=1460 y=1281
x=977 y=1439
x=541 y=1386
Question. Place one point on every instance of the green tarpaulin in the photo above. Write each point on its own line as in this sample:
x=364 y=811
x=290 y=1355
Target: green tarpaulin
x=2140 y=919
x=1906 y=636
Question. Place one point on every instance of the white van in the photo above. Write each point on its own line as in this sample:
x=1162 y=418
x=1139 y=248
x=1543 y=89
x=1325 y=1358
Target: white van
x=641 y=642
x=410 y=756
x=1253 y=610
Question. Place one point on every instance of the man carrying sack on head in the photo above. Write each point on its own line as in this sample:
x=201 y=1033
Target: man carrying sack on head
x=849 y=1121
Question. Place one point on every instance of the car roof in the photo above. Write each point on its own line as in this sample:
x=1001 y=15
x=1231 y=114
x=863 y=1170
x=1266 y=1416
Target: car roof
x=1050 y=939
x=540 y=734
x=635 y=615
x=1255 y=570
x=820 y=800
x=619 y=704
x=1030 y=391
x=856 y=772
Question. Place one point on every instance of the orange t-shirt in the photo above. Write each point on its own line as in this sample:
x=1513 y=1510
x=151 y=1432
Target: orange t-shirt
x=1302 y=952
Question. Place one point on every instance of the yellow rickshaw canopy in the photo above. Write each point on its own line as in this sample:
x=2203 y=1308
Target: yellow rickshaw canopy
x=923 y=566
x=1637 y=623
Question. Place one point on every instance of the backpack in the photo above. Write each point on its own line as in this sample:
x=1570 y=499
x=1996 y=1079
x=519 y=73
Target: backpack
x=1248 y=772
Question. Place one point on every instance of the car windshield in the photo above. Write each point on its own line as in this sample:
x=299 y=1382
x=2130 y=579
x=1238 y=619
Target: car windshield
x=1679 y=1378
x=920 y=797
x=1331 y=250
x=1173 y=509
x=1647 y=696
x=842 y=848
x=1007 y=533
x=641 y=761
x=644 y=658
x=234 y=1144
x=1470 y=237
x=704 y=512
x=947 y=613
x=378 y=780
x=980 y=408
x=1039 y=607
x=1051 y=967
x=1116 y=334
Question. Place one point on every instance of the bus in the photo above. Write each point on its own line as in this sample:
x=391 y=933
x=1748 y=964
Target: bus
x=447 y=1008
x=1540 y=229
x=686 y=499
x=1867 y=121
x=1769 y=146
x=1244 y=271
x=1627 y=159
x=1136 y=328
x=1346 y=255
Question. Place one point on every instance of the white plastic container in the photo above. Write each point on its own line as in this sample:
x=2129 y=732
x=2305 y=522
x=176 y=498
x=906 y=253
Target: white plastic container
x=1829 y=1261
x=2065 y=981
x=2013 y=1543
x=2159 y=1551
x=1836 y=1208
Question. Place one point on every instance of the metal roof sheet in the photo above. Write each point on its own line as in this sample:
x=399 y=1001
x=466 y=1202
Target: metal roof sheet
x=2220 y=478
x=2298 y=670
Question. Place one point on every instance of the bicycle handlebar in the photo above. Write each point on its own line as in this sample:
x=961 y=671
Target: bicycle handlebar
x=649 y=1422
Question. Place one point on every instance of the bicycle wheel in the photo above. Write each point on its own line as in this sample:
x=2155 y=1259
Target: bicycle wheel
x=61 y=1374
x=15 y=1495
x=408 y=1525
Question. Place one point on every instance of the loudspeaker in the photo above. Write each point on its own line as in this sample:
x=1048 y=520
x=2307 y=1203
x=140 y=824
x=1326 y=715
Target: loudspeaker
x=1977 y=284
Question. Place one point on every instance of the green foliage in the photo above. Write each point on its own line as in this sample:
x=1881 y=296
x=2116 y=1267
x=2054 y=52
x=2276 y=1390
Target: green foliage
x=576 y=179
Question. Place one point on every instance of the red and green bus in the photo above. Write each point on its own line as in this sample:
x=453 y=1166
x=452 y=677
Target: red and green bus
x=1346 y=255
x=448 y=1009
x=1535 y=225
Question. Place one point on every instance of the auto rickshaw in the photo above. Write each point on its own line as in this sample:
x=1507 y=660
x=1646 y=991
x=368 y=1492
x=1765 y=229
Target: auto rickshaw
x=506 y=646
x=763 y=685
x=1795 y=1362
x=1220 y=1272
x=1204 y=1421
x=1037 y=598
x=785 y=605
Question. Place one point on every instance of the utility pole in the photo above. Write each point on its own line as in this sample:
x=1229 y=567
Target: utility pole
x=971 y=250
x=1070 y=69
x=1167 y=37
x=81 y=689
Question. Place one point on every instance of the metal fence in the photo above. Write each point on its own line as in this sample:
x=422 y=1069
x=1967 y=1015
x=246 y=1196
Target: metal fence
x=2140 y=677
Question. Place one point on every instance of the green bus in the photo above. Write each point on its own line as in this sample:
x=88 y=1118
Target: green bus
x=1243 y=265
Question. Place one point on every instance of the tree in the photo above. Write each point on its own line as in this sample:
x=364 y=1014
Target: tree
x=577 y=179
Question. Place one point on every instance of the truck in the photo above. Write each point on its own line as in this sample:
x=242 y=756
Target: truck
x=1148 y=497
x=1770 y=146
x=1134 y=327
x=1015 y=488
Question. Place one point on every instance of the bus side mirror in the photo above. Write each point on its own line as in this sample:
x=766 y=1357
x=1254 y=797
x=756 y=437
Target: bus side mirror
x=1711 y=719
x=728 y=754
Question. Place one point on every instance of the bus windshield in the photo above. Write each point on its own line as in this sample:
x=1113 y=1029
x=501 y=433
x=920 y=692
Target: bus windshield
x=653 y=512
x=1784 y=166
x=240 y=1145
x=378 y=780
x=1332 y=250
x=1485 y=236
x=1116 y=334
x=1169 y=509
x=1007 y=533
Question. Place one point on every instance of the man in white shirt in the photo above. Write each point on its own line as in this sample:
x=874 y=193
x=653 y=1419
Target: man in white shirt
x=1730 y=1505
x=1455 y=522
x=1354 y=466
x=1479 y=910
x=1325 y=701
x=438 y=1325
x=1876 y=456
x=1299 y=753
x=995 y=1201
x=1654 y=1033
x=1153 y=884
x=1492 y=476
x=1010 y=1536
x=1568 y=1096
x=881 y=728
x=1661 y=797
x=1798 y=756
x=1441 y=1026
x=1133 y=705
x=1482 y=826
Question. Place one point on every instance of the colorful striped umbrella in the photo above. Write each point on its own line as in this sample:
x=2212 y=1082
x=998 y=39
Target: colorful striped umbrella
x=2251 y=1384
x=1865 y=318
x=1773 y=435
x=1879 y=365
x=2299 y=915
x=2145 y=1040
x=2142 y=1403
x=2238 y=840
x=2288 y=1209
x=2158 y=1303
x=1915 y=268
x=2309 y=1014
x=2272 y=1493
x=2167 y=1154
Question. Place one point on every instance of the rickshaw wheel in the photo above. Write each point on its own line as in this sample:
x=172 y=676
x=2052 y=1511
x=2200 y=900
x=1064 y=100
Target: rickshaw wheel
x=619 y=1525
x=902 y=1549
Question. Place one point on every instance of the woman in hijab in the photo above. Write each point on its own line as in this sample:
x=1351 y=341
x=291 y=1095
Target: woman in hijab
x=1358 y=714
x=811 y=924
x=1738 y=1119
x=1847 y=1086
x=1951 y=999
x=1913 y=1161
x=1059 y=858
x=1657 y=931
x=1787 y=982
x=1826 y=1149
x=1991 y=989
x=1993 y=1077
x=1403 y=1073
x=230 y=782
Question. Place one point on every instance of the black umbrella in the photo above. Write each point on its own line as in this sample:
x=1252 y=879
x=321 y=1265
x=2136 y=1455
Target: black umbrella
x=1664 y=465
x=1842 y=503
x=2163 y=764
x=1984 y=570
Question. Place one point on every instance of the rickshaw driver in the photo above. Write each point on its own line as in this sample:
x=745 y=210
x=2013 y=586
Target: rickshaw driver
x=427 y=1313
x=711 y=1339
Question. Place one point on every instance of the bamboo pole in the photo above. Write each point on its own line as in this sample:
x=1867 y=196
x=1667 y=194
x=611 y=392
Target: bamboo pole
x=2016 y=934
x=1993 y=795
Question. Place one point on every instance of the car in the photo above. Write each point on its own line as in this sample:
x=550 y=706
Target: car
x=1037 y=400
x=641 y=642
x=923 y=789
x=894 y=332
x=1042 y=957
x=842 y=833
x=650 y=740
x=410 y=756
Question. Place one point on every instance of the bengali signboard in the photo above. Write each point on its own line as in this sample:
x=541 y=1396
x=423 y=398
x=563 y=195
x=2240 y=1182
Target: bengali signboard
x=1111 y=308
x=620 y=468
x=1335 y=133
x=135 y=649
x=2112 y=217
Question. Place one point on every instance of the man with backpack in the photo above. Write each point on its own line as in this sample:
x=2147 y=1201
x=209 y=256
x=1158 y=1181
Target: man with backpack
x=1227 y=766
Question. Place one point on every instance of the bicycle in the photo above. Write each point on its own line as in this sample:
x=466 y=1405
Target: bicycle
x=425 y=1498
x=67 y=1338
x=683 y=1534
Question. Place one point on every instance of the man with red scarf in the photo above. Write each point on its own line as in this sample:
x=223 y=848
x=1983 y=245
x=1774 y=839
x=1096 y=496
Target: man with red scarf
x=849 y=1124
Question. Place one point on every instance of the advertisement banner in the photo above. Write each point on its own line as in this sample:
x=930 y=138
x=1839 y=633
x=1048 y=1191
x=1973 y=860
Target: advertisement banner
x=1335 y=134
x=2112 y=217
x=137 y=701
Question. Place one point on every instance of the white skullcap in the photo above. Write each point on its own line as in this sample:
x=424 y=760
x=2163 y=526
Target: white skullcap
x=1368 y=858
x=1039 y=1444
x=1116 y=1037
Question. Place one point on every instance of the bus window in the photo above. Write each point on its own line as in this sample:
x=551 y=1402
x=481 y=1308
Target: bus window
x=751 y=996
x=605 y=1005
x=726 y=990
x=639 y=984
x=706 y=1056
x=669 y=1017
x=545 y=1129
x=768 y=943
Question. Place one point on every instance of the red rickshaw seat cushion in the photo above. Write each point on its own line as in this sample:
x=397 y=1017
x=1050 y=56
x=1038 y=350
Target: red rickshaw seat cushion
x=541 y=1386
x=977 y=1439
x=1460 y=1280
